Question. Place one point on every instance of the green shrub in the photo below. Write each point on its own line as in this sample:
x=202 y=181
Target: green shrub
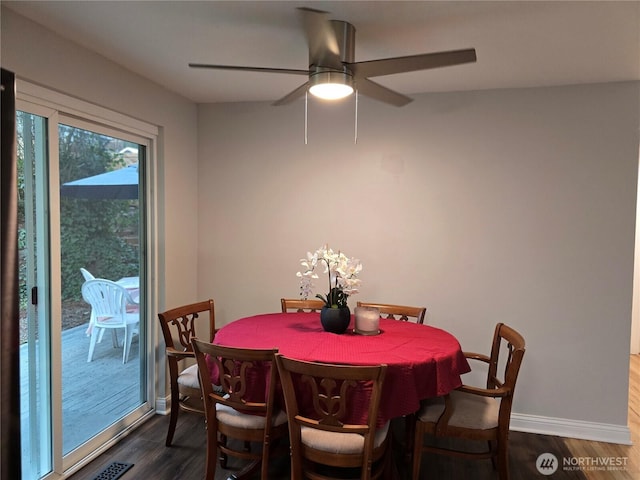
x=94 y=233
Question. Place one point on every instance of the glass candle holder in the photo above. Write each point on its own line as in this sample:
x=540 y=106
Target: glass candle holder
x=367 y=320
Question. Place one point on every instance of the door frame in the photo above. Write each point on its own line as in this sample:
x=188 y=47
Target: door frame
x=60 y=108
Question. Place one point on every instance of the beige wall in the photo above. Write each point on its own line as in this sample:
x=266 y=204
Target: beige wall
x=513 y=206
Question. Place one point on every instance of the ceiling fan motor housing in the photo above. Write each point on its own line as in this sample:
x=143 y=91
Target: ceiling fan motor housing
x=346 y=36
x=333 y=72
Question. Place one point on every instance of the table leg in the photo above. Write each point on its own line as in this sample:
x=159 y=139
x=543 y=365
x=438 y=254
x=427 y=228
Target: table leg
x=390 y=467
x=409 y=429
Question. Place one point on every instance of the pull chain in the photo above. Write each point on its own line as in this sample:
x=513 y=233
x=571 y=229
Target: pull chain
x=306 y=95
x=355 y=135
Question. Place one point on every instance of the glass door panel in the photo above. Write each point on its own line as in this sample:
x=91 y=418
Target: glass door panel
x=35 y=345
x=100 y=238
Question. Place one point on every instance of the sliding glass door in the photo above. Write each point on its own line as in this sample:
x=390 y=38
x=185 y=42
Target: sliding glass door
x=83 y=224
x=35 y=341
x=100 y=237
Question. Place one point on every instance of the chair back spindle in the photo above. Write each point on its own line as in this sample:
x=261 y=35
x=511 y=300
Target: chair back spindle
x=398 y=312
x=300 y=305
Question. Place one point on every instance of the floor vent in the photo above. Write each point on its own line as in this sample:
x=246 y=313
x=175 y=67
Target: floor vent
x=113 y=471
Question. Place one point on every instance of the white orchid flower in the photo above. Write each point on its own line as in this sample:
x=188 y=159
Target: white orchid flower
x=342 y=274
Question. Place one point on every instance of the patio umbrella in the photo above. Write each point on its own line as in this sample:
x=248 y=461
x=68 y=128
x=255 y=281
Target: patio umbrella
x=117 y=184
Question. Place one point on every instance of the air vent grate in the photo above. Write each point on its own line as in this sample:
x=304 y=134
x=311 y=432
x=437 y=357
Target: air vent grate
x=113 y=471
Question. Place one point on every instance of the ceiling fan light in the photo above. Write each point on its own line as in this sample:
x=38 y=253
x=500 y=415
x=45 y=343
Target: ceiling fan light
x=331 y=91
x=331 y=85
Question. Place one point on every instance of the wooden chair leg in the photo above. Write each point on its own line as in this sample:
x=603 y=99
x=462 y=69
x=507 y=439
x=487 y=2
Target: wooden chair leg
x=264 y=463
x=223 y=456
x=212 y=447
x=173 y=416
x=296 y=466
x=503 y=461
x=494 y=456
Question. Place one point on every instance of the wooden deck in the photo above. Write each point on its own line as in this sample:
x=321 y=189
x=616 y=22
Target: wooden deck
x=94 y=394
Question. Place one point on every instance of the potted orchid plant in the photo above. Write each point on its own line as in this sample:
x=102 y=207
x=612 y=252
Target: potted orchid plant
x=342 y=274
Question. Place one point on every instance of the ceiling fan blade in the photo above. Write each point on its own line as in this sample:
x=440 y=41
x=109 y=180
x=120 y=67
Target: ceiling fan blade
x=411 y=63
x=324 y=50
x=290 y=97
x=383 y=94
x=250 y=69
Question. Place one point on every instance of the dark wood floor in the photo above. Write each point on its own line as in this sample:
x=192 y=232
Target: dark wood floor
x=185 y=459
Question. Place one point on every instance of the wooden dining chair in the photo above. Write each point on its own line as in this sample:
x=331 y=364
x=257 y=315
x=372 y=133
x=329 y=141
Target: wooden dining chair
x=474 y=413
x=398 y=312
x=178 y=328
x=236 y=411
x=319 y=397
x=300 y=305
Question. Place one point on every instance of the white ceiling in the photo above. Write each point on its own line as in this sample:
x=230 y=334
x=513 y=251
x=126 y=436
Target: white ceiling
x=518 y=43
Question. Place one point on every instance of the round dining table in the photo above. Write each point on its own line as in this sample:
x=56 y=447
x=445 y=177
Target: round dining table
x=422 y=361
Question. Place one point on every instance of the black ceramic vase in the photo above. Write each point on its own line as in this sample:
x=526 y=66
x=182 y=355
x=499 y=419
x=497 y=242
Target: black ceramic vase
x=335 y=320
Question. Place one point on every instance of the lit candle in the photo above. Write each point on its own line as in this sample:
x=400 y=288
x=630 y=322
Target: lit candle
x=367 y=320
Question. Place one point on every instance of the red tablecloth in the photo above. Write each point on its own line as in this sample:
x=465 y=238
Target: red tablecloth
x=422 y=361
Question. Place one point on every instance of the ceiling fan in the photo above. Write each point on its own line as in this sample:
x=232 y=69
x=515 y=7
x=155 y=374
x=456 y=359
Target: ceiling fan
x=334 y=74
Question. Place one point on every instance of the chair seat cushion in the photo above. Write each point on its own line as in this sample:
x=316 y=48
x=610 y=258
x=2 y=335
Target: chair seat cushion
x=470 y=411
x=189 y=377
x=335 y=442
x=234 y=418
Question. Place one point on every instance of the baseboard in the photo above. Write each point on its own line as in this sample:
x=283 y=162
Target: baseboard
x=520 y=422
x=563 y=427
x=163 y=405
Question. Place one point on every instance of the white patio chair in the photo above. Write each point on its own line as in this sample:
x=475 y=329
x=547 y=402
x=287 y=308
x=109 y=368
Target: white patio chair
x=114 y=337
x=108 y=302
x=89 y=276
